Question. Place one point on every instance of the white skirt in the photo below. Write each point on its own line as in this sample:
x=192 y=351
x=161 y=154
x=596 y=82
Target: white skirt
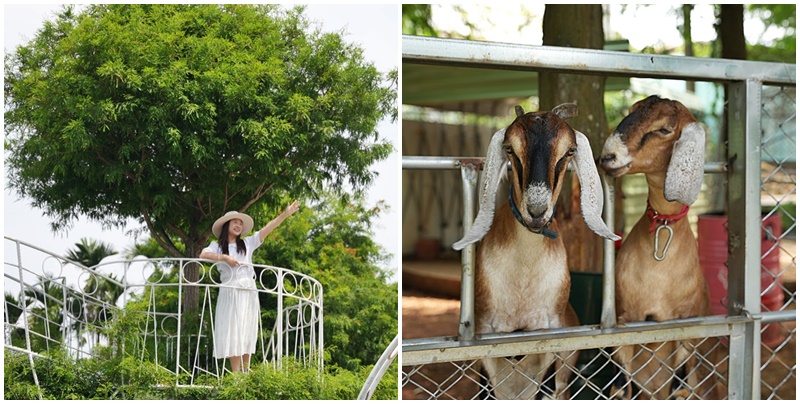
x=236 y=322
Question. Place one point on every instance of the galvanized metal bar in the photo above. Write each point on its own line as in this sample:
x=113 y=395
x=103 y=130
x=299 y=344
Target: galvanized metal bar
x=431 y=163
x=569 y=339
x=469 y=190
x=778 y=316
x=739 y=382
x=608 y=315
x=744 y=228
x=496 y=55
x=454 y=163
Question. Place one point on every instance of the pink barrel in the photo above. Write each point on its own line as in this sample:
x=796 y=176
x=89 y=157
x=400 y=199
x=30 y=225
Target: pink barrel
x=712 y=240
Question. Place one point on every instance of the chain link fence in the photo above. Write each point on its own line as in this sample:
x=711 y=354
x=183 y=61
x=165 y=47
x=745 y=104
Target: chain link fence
x=744 y=351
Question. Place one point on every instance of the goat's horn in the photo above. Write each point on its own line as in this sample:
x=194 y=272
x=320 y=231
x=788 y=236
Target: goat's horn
x=495 y=171
x=518 y=109
x=591 y=188
x=685 y=172
x=565 y=111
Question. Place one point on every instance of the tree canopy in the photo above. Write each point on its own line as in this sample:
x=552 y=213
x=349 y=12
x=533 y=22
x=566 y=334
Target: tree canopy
x=174 y=114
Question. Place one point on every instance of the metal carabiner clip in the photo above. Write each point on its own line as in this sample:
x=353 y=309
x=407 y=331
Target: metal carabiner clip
x=655 y=249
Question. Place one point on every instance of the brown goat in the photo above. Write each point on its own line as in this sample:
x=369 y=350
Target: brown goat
x=521 y=278
x=658 y=275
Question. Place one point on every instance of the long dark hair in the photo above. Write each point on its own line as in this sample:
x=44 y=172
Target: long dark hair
x=223 y=240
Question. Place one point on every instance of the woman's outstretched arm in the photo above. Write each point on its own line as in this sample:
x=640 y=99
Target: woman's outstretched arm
x=290 y=210
x=208 y=255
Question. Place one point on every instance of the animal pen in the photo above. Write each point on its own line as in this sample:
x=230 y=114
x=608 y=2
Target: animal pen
x=448 y=367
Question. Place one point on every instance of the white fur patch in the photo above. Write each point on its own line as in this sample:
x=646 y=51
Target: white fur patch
x=615 y=146
x=523 y=277
x=536 y=197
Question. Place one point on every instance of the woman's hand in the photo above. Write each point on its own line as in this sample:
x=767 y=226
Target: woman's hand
x=292 y=208
x=230 y=260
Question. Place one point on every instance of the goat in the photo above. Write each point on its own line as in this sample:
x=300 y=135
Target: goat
x=658 y=275
x=521 y=278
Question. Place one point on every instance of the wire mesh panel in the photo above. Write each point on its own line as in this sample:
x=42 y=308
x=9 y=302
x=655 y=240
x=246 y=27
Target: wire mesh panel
x=778 y=252
x=583 y=364
x=662 y=370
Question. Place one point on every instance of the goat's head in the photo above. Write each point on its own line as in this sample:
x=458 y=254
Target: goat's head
x=659 y=136
x=539 y=146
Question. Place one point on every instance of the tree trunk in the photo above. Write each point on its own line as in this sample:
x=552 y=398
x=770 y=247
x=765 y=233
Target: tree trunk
x=191 y=275
x=578 y=26
x=688 y=44
x=731 y=34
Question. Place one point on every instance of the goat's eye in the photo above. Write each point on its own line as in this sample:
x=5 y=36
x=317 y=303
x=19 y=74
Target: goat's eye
x=571 y=151
x=508 y=149
x=663 y=131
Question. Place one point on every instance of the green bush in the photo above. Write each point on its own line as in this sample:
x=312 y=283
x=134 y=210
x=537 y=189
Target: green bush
x=62 y=378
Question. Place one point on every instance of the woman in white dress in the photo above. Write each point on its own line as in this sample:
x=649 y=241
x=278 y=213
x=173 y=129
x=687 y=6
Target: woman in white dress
x=237 y=314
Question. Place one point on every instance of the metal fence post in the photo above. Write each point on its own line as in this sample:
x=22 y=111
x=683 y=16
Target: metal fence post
x=24 y=303
x=469 y=186
x=744 y=234
x=608 y=316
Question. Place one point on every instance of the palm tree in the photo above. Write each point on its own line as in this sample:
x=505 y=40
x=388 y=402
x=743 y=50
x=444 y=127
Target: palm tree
x=46 y=315
x=90 y=252
x=102 y=292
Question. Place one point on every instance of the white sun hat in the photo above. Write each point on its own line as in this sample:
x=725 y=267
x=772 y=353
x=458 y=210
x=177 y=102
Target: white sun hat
x=247 y=220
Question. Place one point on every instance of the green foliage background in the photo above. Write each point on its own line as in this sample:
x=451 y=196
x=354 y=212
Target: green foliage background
x=127 y=378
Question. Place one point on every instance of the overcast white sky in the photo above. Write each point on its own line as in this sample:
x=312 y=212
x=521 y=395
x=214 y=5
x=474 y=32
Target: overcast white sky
x=379 y=37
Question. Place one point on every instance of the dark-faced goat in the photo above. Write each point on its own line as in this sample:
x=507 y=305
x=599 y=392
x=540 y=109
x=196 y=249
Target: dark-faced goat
x=658 y=275
x=521 y=279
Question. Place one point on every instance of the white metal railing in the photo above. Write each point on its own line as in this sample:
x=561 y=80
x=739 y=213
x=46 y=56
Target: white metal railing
x=48 y=305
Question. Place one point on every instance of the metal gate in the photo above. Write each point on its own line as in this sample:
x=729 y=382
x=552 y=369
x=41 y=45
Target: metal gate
x=448 y=367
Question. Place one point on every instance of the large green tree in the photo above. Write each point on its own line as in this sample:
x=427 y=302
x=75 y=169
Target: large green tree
x=174 y=114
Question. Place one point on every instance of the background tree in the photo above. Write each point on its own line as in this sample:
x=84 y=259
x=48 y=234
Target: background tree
x=332 y=241
x=782 y=49
x=174 y=114
x=686 y=32
x=584 y=30
x=89 y=252
x=417 y=20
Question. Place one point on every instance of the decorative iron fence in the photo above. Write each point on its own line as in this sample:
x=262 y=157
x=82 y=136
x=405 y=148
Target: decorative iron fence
x=53 y=303
x=750 y=348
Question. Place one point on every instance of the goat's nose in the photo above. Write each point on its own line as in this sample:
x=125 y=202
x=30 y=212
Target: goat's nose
x=607 y=158
x=537 y=211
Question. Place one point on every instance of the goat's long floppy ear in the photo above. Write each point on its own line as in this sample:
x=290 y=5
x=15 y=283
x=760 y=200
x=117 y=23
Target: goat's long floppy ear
x=591 y=188
x=685 y=171
x=495 y=170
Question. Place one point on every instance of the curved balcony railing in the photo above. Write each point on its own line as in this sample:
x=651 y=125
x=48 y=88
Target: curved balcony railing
x=51 y=302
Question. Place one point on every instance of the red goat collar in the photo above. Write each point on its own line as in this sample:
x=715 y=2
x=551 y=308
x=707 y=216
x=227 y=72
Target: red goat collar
x=656 y=217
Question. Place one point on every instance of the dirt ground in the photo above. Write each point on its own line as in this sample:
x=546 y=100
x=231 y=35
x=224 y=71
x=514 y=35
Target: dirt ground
x=426 y=315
